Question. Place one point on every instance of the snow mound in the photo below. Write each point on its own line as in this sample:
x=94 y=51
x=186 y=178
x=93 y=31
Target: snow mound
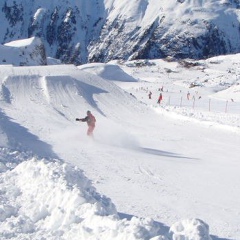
x=46 y=196
x=108 y=71
x=190 y=229
x=232 y=91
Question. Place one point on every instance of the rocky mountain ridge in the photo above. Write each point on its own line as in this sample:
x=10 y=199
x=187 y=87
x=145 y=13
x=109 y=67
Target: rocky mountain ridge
x=102 y=30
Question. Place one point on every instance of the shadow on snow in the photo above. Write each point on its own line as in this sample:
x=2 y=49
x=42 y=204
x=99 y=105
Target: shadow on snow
x=87 y=91
x=163 y=228
x=18 y=137
x=163 y=153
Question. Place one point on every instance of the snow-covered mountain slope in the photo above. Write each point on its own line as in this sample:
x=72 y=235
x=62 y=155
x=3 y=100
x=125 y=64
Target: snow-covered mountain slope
x=101 y=30
x=26 y=52
x=151 y=172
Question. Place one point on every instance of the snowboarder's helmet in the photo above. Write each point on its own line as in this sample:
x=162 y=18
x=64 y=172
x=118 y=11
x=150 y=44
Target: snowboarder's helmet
x=88 y=112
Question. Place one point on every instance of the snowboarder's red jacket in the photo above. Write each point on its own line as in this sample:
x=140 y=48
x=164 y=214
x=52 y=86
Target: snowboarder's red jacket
x=90 y=119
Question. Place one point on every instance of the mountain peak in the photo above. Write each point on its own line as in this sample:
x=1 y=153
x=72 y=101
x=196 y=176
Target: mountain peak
x=25 y=52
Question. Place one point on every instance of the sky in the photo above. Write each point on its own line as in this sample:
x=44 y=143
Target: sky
x=152 y=171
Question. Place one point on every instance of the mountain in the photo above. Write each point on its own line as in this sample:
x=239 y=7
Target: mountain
x=102 y=30
x=26 y=52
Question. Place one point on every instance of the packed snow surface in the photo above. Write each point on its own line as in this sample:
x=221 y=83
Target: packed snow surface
x=167 y=170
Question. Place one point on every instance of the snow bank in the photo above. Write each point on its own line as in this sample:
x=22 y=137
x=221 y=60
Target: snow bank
x=49 y=199
x=46 y=196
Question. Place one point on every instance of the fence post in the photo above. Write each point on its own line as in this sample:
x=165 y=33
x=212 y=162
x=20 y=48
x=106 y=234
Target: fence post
x=181 y=102
x=226 y=106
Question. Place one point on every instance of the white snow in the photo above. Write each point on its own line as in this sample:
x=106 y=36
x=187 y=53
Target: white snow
x=21 y=43
x=22 y=52
x=168 y=171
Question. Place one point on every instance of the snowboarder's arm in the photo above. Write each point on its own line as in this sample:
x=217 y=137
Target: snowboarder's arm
x=81 y=119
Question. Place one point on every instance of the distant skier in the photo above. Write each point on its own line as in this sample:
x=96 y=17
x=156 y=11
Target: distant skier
x=160 y=98
x=150 y=95
x=91 y=120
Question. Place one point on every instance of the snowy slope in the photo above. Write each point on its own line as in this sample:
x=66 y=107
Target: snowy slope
x=151 y=172
x=26 y=52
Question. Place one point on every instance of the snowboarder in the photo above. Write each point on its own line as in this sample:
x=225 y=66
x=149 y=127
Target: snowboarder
x=90 y=119
x=160 y=98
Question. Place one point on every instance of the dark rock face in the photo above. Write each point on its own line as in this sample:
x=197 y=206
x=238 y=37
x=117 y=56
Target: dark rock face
x=80 y=32
x=13 y=13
